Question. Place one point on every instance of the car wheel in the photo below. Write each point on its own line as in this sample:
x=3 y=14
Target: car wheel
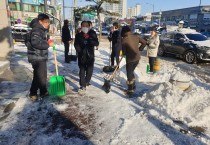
x=190 y=57
x=161 y=51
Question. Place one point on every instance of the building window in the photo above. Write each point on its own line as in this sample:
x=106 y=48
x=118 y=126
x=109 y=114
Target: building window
x=41 y=9
x=32 y=8
x=193 y=16
x=14 y=6
x=26 y=7
x=185 y=17
x=206 y=16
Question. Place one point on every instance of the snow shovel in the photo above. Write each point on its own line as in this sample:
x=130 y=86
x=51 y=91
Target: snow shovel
x=106 y=87
x=109 y=68
x=57 y=83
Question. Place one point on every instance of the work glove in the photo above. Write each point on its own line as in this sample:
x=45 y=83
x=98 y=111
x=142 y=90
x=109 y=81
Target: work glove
x=122 y=54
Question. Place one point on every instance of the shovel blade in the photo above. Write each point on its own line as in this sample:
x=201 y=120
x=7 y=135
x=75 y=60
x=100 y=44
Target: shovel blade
x=106 y=87
x=57 y=86
x=72 y=58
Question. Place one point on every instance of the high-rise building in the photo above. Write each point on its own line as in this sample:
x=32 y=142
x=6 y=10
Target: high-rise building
x=138 y=9
x=134 y=11
x=129 y=12
x=118 y=8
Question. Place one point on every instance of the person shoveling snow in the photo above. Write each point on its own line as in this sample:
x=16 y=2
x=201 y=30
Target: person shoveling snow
x=130 y=49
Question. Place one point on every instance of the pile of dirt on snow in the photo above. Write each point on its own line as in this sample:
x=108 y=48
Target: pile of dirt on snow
x=191 y=106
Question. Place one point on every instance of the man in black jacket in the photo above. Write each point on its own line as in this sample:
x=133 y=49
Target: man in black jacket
x=84 y=43
x=114 y=38
x=66 y=38
x=37 y=46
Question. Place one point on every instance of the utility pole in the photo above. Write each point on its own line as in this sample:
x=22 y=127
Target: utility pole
x=160 y=13
x=63 y=10
x=199 y=12
x=45 y=6
x=153 y=9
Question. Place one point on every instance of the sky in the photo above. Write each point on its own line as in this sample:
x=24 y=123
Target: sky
x=147 y=5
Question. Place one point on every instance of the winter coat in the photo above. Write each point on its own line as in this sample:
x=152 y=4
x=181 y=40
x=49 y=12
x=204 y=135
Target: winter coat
x=114 y=36
x=37 y=44
x=153 y=44
x=131 y=48
x=91 y=31
x=66 y=36
x=85 y=47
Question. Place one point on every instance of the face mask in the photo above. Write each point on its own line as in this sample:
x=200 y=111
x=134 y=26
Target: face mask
x=85 y=29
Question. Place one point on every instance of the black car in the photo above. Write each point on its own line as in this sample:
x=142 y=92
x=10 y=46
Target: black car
x=189 y=45
x=207 y=34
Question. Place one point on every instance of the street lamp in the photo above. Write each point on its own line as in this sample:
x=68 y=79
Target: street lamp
x=160 y=13
x=152 y=9
x=152 y=6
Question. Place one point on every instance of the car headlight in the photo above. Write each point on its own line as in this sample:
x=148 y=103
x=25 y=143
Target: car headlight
x=204 y=48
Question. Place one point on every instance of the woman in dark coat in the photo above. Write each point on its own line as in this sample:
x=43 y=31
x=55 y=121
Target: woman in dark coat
x=84 y=43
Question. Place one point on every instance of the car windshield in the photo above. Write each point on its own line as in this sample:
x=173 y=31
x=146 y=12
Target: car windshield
x=196 y=37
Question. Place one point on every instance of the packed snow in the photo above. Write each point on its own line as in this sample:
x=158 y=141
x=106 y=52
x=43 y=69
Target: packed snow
x=160 y=112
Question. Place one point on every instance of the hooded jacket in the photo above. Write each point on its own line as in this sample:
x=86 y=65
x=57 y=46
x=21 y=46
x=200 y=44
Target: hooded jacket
x=131 y=48
x=37 y=44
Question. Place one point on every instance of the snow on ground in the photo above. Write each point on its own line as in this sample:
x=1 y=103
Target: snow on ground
x=154 y=116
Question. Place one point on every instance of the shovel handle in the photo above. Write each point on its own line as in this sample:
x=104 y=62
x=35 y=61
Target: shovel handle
x=110 y=51
x=116 y=69
x=55 y=61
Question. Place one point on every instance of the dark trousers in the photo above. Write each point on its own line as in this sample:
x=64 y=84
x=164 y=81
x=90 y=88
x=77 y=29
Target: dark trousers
x=115 y=54
x=130 y=67
x=151 y=63
x=85 y=73
x=66 y=45
x=39 y=78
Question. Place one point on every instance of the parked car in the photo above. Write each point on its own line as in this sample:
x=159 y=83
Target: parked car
x=19 y=32
x=96 y=30
x=191 y=46
x=104 y=32
x=207 y=34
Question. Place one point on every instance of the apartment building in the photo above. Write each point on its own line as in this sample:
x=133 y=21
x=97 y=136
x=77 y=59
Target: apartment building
x=134 y=11
x=23 y=11
x=120 y=8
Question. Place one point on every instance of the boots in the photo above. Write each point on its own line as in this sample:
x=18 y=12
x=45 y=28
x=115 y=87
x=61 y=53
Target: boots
x=134 y=85
x=131 y=87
